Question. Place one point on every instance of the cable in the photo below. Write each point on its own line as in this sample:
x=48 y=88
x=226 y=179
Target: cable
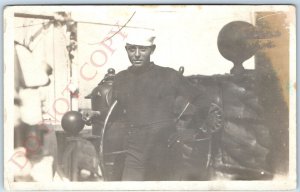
x=31 y=25
x=116 y=31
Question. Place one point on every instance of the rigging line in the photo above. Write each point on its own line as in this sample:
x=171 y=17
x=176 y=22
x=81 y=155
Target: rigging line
x=113 y=25
x=116 y=31
x=34 y=36
x=88 y=22
x=37 y=43
x=31 y=25
x=48 y=17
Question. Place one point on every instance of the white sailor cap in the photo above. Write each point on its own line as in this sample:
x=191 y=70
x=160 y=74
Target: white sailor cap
x=143 y=37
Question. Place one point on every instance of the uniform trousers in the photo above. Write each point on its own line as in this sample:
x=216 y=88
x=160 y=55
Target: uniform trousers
x=148 y=157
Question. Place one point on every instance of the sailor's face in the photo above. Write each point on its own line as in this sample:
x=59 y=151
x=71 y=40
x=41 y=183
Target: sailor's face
x=139 y=55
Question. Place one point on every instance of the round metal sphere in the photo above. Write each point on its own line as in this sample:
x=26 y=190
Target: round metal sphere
x=72 y=122
x=237 y=41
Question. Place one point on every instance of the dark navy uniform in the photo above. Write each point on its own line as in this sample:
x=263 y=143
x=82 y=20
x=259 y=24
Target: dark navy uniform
x=146 y=96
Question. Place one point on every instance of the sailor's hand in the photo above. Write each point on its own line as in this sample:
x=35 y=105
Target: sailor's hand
x=88 y=115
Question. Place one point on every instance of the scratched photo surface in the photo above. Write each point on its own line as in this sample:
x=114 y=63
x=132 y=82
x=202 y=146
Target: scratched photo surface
x=180 y=97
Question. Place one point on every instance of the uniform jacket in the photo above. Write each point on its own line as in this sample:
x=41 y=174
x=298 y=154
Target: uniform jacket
x=147 y=98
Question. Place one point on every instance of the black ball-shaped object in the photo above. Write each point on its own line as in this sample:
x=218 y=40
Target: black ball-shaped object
x=72 y=122
x=237 y=41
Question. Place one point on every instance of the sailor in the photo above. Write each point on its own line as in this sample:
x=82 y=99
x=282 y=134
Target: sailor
x=147 y=95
